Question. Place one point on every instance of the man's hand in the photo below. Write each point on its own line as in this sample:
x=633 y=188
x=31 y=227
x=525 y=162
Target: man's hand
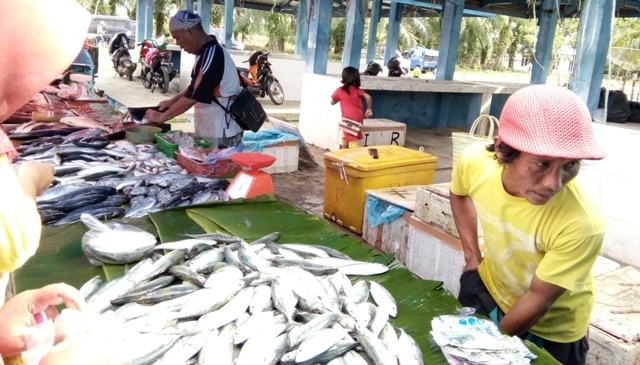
x=368 y=113
x=17 y=314
x=153 y=116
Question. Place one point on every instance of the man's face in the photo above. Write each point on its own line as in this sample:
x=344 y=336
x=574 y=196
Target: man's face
x=185 y=39
x=538 y=178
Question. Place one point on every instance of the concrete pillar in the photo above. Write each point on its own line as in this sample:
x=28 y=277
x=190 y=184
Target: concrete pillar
x=450 y=39
x=319 y=29
x=188 y=4
x=354 y=33
x=373 y=29
x=228 y=23
x=594 y=33
x=144 y=20
x=204 y=10
x=302 y=28
x=544 y=45
x=393 y=30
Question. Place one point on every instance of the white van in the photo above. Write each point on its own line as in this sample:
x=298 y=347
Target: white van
x=114 y=24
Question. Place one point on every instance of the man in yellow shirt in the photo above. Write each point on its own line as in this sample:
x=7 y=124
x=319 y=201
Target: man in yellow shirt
x=542 y=235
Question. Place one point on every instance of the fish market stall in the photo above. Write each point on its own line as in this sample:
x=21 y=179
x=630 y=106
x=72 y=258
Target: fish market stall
x=97 y=170
x=188 y=274
x=254 y=267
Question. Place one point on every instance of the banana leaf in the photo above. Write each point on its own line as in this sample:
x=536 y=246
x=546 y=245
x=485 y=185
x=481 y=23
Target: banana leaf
x=60 y=258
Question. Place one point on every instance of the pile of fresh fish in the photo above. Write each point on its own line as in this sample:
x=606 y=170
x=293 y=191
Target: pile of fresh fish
x=215 y=299
x=115 y=243
x=99 y=178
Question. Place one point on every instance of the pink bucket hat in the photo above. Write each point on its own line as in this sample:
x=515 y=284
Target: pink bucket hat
x=549 y=121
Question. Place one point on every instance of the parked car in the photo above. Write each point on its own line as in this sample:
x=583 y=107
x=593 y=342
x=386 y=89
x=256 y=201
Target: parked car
x=219 y=33
x=426 y=59
x=114 y=24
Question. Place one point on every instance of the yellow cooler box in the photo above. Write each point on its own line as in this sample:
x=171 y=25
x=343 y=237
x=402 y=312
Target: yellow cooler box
x=350 y=172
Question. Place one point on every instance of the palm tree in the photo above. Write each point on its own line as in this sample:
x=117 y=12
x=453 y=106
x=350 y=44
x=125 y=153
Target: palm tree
x=503 y=34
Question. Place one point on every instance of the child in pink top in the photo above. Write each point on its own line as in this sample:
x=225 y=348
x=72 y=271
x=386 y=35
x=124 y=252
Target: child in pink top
x=350 y=96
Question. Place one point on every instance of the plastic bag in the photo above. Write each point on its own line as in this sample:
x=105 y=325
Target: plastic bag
x=115 y=243
x=381 y=212
x=39 y=340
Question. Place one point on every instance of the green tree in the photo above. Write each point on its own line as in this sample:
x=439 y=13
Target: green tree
x=503 y=33
x=338 y=32
x=280 y=28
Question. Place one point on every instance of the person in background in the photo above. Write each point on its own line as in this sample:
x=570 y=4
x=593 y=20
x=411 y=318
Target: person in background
x=100 y=31
x=214 y=76
x=65 y=22
x=253 y=65
x=542 y=233
x=350 y=96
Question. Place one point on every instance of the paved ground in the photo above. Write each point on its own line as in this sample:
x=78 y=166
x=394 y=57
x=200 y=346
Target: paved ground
x=305 y=187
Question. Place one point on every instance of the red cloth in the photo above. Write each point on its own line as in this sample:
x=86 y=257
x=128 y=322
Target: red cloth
x=6 y=147
x=350 y=106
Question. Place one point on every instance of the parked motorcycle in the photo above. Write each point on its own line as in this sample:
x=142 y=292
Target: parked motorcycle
x=265 y=83
x=156 y=68
x=120 y=56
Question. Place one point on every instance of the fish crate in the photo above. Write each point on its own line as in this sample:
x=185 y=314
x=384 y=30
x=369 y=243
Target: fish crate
x=208 y=169
x=170 y=149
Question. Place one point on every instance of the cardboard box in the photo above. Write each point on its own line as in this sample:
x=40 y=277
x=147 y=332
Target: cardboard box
x=380 y=131
x=350 y=173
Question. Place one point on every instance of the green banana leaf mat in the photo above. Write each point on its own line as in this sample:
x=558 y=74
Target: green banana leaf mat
x=60 y=257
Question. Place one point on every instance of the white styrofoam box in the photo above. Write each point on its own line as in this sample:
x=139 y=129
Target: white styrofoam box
x=605 y=349
x=286 y=154
x=388 y=237
x=616 y=309
x=380 y=132
x=433 y=207
x=433 y=255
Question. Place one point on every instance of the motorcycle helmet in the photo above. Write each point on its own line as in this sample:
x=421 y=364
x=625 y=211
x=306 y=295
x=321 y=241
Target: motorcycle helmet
x=373 y=69
x=394 y=62
x=254 y=58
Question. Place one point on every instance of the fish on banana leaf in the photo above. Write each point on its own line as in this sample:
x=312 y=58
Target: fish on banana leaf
x=287 y=312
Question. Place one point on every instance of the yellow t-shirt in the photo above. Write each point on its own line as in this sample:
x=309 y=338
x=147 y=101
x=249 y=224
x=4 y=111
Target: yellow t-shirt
x=20 y=223
x=558 y=242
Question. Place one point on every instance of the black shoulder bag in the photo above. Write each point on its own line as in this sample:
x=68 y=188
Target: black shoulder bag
x=245 y=110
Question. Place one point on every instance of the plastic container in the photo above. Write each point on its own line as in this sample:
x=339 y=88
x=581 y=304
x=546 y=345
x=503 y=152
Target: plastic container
x=350 y=173
x=207 y=169
x=169 y=148
x=142 y=133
